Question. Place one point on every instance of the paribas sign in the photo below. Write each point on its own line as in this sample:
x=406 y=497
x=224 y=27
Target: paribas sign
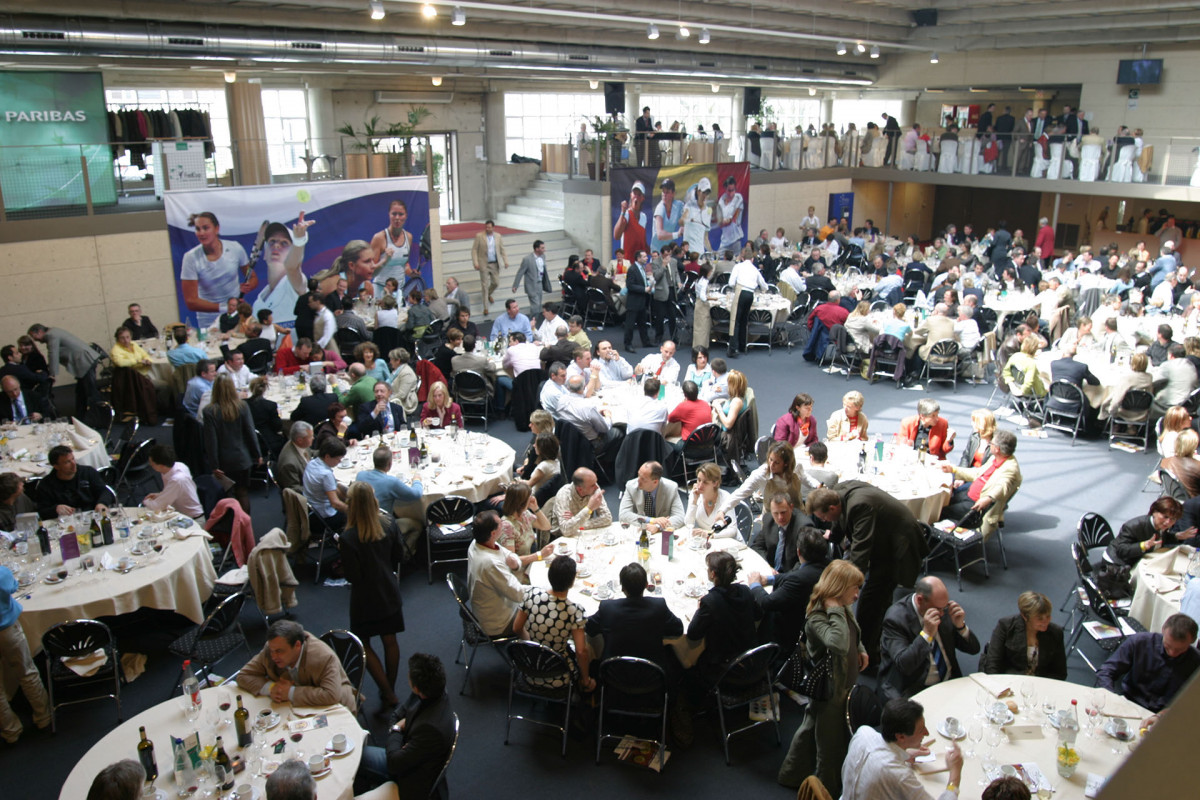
x=76 y=115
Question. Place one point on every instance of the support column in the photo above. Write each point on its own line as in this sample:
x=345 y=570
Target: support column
x=248 y=132
x=826 y=110
x=322 y=127
x=908 y=113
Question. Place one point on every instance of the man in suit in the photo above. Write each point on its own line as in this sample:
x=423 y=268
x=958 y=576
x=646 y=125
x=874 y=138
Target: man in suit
x=293 y=458
x=666 y=281
x=1004 y=125
x=534 y=275
x=921 y=634
x=652 y=500
x=470 y=360
x=985 y=120
x=456 y=297
x=487 y=251
x=987 y=488
x=882 y=538
x=891 y=129
x=30 y=381
x=422 y=734
x=638 y=288
x=76 y=355
x=381 y=416
x=562 y=349
x=934 y=328
x=635 y=625
x=1076 y=373
x=780 y=535
x=295 y=666
x=140 y=325
x=314 y=409
x=1024 y=144
x=786 y=606
x=17 y=405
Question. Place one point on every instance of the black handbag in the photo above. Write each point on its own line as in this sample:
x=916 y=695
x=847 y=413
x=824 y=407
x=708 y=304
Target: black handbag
x=817 y=683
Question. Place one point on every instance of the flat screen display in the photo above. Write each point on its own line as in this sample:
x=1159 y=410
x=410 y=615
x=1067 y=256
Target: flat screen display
x=1140 y=71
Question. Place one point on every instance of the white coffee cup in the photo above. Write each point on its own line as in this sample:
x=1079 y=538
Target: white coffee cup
x=316 y=763
x=339 y=743
x=244 y=792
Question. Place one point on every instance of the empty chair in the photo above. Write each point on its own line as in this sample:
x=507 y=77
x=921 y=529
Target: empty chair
x=747 y=678
x=635 y=688
x=942 y=363
x=213 y=639
x=948 y=162
x=448 y=531
x=472 y=395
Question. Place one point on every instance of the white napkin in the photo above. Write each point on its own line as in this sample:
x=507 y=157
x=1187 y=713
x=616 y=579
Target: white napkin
x=107 y=561
x=994 y=684
x=194 y=530
x=90 y=664
x=78 y=442
x=235 y=577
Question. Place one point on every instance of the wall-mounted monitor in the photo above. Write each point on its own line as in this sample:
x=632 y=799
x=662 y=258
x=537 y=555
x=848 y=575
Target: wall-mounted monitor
x=1140 y=71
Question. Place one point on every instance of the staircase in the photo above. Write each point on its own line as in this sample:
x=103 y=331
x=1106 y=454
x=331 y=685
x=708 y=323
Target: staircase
x=538 y=208
x=456 y=263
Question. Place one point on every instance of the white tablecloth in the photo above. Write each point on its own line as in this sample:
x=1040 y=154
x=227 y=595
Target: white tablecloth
x=702 y=322
x=161 y=369
x=925 y=490
x=617 y=398
x=1159 y=590
x=957 y=698
x=1098 y=363
x=87 y=443
x=166 y=719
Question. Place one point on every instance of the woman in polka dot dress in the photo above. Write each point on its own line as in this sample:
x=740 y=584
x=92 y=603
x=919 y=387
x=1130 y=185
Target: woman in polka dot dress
x=549 y=618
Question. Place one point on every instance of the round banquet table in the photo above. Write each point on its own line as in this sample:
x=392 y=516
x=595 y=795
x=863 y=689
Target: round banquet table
x=161 y=369
x=285 y=391
x=923 y=489
x=616 y=398
x=682 y=582
x=1097 y=362
x=702 y=322
x=1159 y=589
x=166 y=719
x=957 y=698
x=180 y=578
x=36 y=441
x=1010 y=303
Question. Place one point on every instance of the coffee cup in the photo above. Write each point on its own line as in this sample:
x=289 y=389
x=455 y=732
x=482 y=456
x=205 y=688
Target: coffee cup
x=339 y=743
x=244 y=792
x=316 y=763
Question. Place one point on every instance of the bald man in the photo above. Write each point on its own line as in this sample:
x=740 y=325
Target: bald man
x=20 y=406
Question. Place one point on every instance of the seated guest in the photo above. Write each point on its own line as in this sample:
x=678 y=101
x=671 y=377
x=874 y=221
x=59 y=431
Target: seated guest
x=521 y=520
x=540 y=422
x=235 y=367
x=361 y=389
x=491 y=578
x=439 y=411
x=1175 y=421
x=703 y=501
x=1142 y=535
x=777 y=541
x=1134 y=378
x=326 y=498
x=404 y=380
x=576 y=334
x=979 y=445
x=31 y=357
x=691 y=413
x=421 y=733
x=367 y=354
x=30 y=380
x=877 y=762
x=921 y=633
x=986 y=488
x=861 y=329
x=581 y=364
x=421 y=316
x=848 y=422
x=1027 y=643
x=560 y=348
x=554 y=391
x=20 y=406
x=648 y=413
x=388 y=313
x=661 y=365
x=818 y=456
x=927 y=431
x=1150 y=668
x=784 y=608
x=179 y=489
x=719 y=388
x=139 y=324
x=550 y=619
x=120 y=781
x=546 y=466
x=293 y=457
x=798 y=426
x=1006 y=787
x=390 y=491
x=590 y=419
x=445 y=353
x=265 y=414
x=1174 y=380
x=290 y=360
x=520 y=355
x=781 y=473
x=472 y=361
x=292 y=781
x=1184 y=466
x=462 y=323
x=438 y=307
x=70 y=487
x=1074 y=372
x=13 y=500
x=381 y=417
x=613 y=367
x=579 y=505
x=256 y=342
x=510 y=322
x=725 y=620
x=336 y=427
x=1024 y=363
x=652 y=500
x=634 y=625
x=699 y=371
x=298 y=668
x=966 y=330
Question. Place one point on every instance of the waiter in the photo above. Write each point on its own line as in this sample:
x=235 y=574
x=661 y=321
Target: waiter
x=647 y=150
x=744 y=279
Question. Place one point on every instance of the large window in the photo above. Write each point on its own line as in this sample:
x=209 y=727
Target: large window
x=860 y=112
x=531 y=119
x=792 y=111
x=210 y=100
x=691 y=110
x=285 y=114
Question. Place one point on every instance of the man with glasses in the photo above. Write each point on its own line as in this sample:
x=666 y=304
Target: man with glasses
x=921 y=633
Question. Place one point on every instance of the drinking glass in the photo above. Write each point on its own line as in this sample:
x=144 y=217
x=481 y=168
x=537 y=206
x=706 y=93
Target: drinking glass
x=983 y=699
x=974 y=737
x=1092 y=711
x=205 y=779
x=225 y=704
x=1028 y=695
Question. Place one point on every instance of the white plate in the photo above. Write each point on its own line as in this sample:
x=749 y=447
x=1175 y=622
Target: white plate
x=1001 y=720
x=335 y=754
x=941 y=728
x=322 y=773
x=489 y=470
x=52 y=580
x=583 y=571
x=273 y=722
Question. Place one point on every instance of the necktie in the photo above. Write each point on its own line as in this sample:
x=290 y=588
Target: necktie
x=648 y=505
x=20 y=415
x=939 y=661
x=661 y=364
x=779 y=552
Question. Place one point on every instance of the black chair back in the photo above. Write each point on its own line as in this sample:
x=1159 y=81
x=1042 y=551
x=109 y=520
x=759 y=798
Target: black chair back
x=1093 y=531
x=440 y=789
x=386 y=339
x=537 y=662
x=351 y=653
x=450 y=510
x=525 y=398
x=863 y=708
x=471 y=393
x=259 y=362
x=76 y=638
x=1171 y=487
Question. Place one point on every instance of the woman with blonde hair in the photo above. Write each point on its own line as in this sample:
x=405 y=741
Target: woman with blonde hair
x=979 y=445
x=820 y=744
x=1135 y=378
x=705 y=498
x=1027 y=643
x=898 y=325
x=726 y=412
x=371 y=549
x=230 y=443
x=862 y=331
x=439 y=410
x=1184 y=466
x=1176 y=420
x=848 y=422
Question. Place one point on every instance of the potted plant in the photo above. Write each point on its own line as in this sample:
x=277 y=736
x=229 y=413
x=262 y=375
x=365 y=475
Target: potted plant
x=400 y=163
x=605 y=129
x=361 y=164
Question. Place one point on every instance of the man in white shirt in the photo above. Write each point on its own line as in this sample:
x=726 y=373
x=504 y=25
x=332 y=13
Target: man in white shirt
x=1162 y=300
x=613 y=367
x=661 y=365
x=588 y=418
x=179 y=489
x=966 y=329
x=810 y=221
x=649 y=413
x=521 y=354
x=554 y=390
x=791 y=276
x=495 y=590
x=324 y=323
x=745 y=279
x=879 y=765
x=235 y=367
x=582 y=366
x=547 y=332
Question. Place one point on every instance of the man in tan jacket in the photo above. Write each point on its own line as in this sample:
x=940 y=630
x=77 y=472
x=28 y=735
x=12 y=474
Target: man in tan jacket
x=299 y=668
x=987 y=488
x=486 y=254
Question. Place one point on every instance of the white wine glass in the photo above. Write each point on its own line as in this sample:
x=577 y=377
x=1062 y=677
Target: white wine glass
x=1028 y=695
x=974 y=737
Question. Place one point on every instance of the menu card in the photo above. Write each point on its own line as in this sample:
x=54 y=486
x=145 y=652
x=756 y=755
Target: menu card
x=68 y=543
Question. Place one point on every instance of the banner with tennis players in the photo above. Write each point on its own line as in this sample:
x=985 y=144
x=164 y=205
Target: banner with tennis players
x=701 y=206
x=261 y=244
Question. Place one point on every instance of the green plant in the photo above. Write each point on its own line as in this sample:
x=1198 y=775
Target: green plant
x=604 y=127
x=373 y=130
x=363 y=139
x=765 y=115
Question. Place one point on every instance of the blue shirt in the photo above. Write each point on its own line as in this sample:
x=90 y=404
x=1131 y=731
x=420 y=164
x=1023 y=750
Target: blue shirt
x=503 y=326
x=196 y=388
x=10 y=609
x=185 y=354
x=319 y=479
x=390 y=490
x=380 y=371
x=1159 y=269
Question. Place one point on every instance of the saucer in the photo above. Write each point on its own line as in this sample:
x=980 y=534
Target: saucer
x=942 y=729
x=583 y=571
x=273 y=721
x=51 y=580
x=1110 y=727
x=26 y=584
x=335 y=754
x=603 y=593
x=489 y=470
x=322 y=773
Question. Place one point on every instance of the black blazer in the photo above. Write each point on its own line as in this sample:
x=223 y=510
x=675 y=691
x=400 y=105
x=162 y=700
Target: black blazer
x=314 y=409
x=1126 y=548
x=442 y=358
x=636 y=296
x=968 y=454
x=1068 y=369
x=906 y=654
x=416 y=756
x=634 y=626
x=29 y=379
x=33 y=404
x=785 y=607
x=767 y=540
x=1005 y=653
x=365 y=425
x=879 y=532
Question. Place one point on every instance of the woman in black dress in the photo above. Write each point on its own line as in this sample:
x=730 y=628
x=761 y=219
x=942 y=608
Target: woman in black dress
x=265 y=414
x=230 y=445
x=370 y=553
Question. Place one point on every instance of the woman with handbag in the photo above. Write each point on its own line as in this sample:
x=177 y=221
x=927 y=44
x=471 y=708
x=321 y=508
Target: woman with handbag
x=835 y=651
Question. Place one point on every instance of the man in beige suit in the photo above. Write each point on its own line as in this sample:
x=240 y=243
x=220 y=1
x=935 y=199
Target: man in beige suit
x=486 y=254
x=934 y=328
x=988 y=488
x=299 y=668
x=652 y=499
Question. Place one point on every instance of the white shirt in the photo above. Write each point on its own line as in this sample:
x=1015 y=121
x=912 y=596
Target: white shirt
x=778 y=242
x=874 y=769
x=966 y=331
x=616 y=370
x=647 y=414
x=179 y=491
x=547 y=332
x=495 y=591
x=327 y=332
x=491 y=248
x=746 y=276
x=793 y=279
x=241 y=378
x=552 y=397
x=523 y=356
x=718 y=389
x=810 y=222
x=670 y=369
x=1163 y=296
x=757 y=480
x=584 y=414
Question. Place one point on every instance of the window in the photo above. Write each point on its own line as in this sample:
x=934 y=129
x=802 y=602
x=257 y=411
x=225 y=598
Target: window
x=691 y=110
x=531 y=119
x=860 y=112
x=793 y=111
x=285 y=114
x=210 y=100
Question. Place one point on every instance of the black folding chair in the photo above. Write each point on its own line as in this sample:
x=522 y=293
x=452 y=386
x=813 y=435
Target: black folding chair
x=539 y=673
x=631 y=687
x=700 y=447
x=448 y=531
x=472 y=631
x=216 y=637
x=942 y=363
x=472 y=395
x=1065 y=407
x=78 y=639
x=352 y=656
x=1133 y=413
x=747 y=678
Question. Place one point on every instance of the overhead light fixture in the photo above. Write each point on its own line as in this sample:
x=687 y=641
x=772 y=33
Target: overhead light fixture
x=376 y=9
x=934 y=91
x=230 y=77
x=651 y=31
x=1025 y=89
x=459 y=17
x=933 y=59
x=874 y=51
x=593 y=84
x=428 y=11
x=860 y=47
x=437 y=80
x=977 y=91
x=705 y=38
x=812 y=91
x=684 y=32
x=841 y=48
x=716 y=87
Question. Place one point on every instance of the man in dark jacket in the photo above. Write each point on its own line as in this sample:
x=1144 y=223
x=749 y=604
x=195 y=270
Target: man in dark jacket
x=314 y=409
x=920 y=636
x=1151 y=668
x=71 y=488
x=634 y=625
x=785 y=608
x=780 y=535
x=423 y=732
x=881 y=537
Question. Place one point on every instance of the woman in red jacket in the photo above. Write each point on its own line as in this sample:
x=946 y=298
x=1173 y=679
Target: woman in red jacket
x=927 y=429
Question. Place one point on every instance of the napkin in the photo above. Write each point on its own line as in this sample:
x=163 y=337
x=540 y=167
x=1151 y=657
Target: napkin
x=195 y=530
x=995 y=684
x=107 y=561
x=78 y=442
x=83 y=666
x=235 y=577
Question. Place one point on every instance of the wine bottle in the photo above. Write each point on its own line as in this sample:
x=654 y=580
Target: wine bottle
x=106 y=528
x=145 y=750
x=241 y=721
x=96 y=533
x=43 y=537
x=222 y=760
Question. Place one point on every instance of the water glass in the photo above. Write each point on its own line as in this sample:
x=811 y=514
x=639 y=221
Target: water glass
x=974 y=737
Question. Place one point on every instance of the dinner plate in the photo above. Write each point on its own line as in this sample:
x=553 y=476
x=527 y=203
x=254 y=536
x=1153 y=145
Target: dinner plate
x=943 y=730
x=335 y=754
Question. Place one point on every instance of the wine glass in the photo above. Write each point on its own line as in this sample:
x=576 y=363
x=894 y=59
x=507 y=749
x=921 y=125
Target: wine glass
x=974 y=737
x=206 y=779
x=983 y=698
x=1027 y=695
x=1046 y=788
x=992 y=738
x=224 y=703
x=1095 y=709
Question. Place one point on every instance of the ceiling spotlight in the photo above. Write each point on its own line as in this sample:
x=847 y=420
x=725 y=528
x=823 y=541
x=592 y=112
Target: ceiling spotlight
x=437 y=80
x=874 y=51
x=684 y=32
x=705 y=38
x=376 y=9
x=933 y=59
x=812 y=91
x=841 y=48
x=428 y=11
x=716 y=87
x=593 y=84
x=230 y=77
x=459 y=17
x=860 y=47
x=651 y=31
